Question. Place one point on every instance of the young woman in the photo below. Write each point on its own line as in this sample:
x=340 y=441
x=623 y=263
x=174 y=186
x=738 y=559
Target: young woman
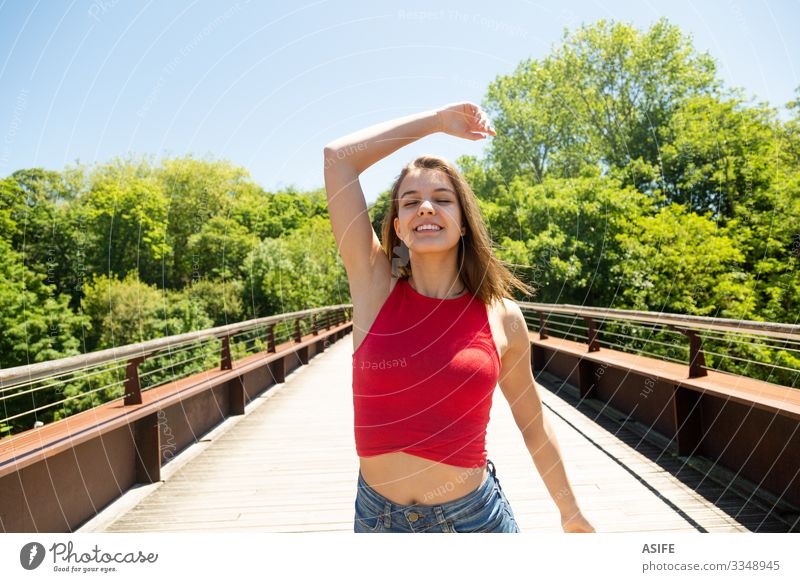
x=434 y=333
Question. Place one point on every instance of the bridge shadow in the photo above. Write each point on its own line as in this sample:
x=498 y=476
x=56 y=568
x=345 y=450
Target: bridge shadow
x=733 y=495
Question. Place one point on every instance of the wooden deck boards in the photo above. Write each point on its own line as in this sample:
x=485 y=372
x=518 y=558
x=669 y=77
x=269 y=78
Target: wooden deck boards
x=289 y=465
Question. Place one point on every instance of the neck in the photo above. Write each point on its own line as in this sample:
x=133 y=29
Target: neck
x=436 y=284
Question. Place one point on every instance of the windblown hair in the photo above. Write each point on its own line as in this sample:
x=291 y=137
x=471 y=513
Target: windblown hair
x=485 y=276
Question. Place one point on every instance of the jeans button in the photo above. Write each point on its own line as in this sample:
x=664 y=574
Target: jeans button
x=413 y=516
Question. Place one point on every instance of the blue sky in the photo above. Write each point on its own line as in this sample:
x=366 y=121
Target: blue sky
x=267 y=84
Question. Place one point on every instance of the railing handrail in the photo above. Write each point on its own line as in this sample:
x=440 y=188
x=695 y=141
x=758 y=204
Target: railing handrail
x=20 y=374
x=781 y=330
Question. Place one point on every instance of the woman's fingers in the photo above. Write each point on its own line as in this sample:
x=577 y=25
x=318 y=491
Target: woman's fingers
x=484 y=124
x=486 y=127
x=466 y=119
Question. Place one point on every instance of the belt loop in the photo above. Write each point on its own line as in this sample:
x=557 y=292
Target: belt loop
x=493 y=471
x=491 y=467
x=387 y=514
x=440 y=518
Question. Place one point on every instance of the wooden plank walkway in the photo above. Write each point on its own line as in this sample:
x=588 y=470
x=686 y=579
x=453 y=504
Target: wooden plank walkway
x=289 y=465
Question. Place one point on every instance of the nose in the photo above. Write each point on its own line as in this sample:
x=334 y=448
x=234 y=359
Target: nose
x=426 y=204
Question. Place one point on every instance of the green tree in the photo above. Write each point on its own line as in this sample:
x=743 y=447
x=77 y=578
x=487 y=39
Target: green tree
x=221 y=299
x=272 y=215
x=36 y=202
x=598 y=99
x=124 y=214
x=679 y=262
x=377 y=211
x=219 y=249
x=719 y=154
x=37 y=325
x=299 y=271
x=120 y=310
x=10 y=195
x=564 y=232
x=36 y=321
x=195 y=191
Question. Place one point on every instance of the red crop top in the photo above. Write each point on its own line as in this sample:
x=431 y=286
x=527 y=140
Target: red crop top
x=424 y=377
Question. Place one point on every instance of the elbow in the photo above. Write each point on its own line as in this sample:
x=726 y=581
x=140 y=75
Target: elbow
x=332 y=155
x=534 y=440
x=537 y=433
x=336 y=157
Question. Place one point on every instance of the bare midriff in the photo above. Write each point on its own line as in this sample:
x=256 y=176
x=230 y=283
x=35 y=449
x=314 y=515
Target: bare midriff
x=410 y=480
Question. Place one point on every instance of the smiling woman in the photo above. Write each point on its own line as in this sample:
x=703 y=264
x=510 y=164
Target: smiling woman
x=446 y=313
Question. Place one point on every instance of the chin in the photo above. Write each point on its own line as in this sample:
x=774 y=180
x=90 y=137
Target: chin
x=422 y=247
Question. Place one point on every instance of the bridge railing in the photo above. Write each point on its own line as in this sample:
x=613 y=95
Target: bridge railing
x=150 y=400
x=144 y=403
x=37 y=394
x=755 y=349
x=719 y=394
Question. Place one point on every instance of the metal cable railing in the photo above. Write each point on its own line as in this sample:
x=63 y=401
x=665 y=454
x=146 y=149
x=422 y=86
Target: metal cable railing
x=761 y=350
x=35 y=394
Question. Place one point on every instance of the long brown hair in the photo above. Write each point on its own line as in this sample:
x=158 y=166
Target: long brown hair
x=485 y=276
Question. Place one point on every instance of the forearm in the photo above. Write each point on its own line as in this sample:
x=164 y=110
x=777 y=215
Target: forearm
x=363 y=148
x=546 y=456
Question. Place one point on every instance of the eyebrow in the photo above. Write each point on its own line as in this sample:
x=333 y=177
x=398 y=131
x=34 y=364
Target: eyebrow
x=441 y=189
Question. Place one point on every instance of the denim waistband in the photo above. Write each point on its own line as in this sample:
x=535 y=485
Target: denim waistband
x=450 y=509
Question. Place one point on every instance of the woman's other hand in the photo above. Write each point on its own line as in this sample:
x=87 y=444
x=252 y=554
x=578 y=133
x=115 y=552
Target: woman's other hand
x=576 y=523
x=466 y=120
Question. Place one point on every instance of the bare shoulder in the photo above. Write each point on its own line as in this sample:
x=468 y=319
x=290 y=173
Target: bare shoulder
x=514 y=325
x=506 y=319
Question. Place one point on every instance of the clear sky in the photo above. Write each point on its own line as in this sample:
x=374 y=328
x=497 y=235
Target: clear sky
x=268 y=84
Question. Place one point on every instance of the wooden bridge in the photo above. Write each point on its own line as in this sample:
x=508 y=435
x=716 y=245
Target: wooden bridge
x=290 y=465
x=218 y=451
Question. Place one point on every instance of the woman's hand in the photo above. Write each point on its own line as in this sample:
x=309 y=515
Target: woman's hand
x=465 y=120
x=576 y=523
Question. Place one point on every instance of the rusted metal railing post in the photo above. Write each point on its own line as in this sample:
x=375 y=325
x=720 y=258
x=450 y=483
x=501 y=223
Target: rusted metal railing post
x=133 y=388
x=542 y=326
x=226 y=361
x=697 y=360
x=594 y=345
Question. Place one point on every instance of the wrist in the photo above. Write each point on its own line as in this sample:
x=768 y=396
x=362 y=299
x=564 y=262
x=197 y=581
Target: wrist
x=567 y=504
x=569 y=511
x=438 y=122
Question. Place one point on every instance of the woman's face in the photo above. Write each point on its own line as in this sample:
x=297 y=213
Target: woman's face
x=428 y=197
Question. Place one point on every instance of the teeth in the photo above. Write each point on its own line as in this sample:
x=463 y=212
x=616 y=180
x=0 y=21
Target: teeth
x=431 y=227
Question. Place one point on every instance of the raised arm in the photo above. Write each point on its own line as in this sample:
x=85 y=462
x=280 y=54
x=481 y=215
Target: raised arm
x=347 y=157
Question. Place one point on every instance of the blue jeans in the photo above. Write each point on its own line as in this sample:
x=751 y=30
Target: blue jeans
x=484 y=510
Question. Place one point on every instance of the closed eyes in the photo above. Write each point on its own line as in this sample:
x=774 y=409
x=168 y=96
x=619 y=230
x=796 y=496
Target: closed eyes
x=439 y=201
